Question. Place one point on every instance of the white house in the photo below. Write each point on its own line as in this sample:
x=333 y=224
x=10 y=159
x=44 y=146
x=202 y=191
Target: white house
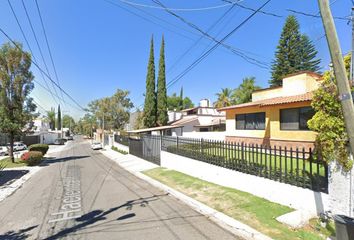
x=203 y=121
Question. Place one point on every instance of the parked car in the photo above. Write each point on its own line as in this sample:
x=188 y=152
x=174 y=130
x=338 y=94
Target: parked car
x=4 y=151
x=70 y=138
x=96 y=145
x=59 y=141
x=18 y=146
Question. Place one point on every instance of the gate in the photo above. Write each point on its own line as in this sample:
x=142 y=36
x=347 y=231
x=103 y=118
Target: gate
x=147 y=147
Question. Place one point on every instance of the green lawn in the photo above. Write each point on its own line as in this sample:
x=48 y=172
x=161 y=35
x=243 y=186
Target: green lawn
x=251 y=210
x=7 y=163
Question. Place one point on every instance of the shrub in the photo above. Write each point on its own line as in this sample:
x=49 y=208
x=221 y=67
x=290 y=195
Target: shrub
x=119 y=150
x=43 y=148
x=32 y=158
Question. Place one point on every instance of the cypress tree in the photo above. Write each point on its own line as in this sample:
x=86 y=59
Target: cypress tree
x=150 y=95
x=59 y=119
x=162 y=116
x=181 y=105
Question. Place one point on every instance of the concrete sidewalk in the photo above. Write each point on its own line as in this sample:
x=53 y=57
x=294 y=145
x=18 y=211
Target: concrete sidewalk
x=136 y=165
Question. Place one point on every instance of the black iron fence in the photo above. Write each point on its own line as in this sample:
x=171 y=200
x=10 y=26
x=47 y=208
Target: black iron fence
x=121 y=139
x=297 y=167
x=147 y=147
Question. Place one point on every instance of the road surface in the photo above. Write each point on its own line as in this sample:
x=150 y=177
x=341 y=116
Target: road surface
x=84 y=195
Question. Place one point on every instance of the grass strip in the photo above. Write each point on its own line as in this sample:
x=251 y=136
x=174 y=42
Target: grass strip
x=254 y=211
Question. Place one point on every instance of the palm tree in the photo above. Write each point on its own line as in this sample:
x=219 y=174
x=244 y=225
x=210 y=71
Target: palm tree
x=224 y=98
x=243 y=93
x=51 y=119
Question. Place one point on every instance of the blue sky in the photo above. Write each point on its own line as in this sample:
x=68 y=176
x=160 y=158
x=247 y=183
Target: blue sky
x=98 y=47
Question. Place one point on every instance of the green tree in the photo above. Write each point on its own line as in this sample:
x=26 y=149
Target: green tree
x=295 y=52
x=243 y=93
x=150 y=108
x=68 y=121
x=16 y=83
x=59 y=119
x=181 y=102
x=51 y=118
x=114 y=110
x=174 y=102
x=224 y=98
x=139 y=122
x=162 y=117
x=328 y=122
x=308 y=55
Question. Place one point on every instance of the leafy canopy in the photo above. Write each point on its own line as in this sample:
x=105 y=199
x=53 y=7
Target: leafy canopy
x=16 y=83
x=328 y=122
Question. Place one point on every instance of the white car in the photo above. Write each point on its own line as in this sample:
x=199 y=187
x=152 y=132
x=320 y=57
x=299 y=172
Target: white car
x=96 y=145
x=19 y=146
x=4 y=151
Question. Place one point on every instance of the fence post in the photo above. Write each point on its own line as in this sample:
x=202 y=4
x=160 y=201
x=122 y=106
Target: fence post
x=177 y=142
x=201 y=146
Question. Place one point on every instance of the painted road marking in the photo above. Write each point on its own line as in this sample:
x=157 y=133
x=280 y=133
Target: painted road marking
x=71 y=201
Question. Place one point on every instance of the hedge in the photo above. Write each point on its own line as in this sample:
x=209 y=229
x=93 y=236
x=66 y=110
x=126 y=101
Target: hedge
x=32 y=158
x=43 y=148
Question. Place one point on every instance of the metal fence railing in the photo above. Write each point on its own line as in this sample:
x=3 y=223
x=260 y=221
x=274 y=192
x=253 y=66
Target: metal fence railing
x=147 y=147
x=297 y=167
x=121 y=139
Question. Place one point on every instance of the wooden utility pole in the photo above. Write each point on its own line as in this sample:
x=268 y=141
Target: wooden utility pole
x=339 y=69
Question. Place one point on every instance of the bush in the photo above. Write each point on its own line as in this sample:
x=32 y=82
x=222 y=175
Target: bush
x=43 y=148
x=119 y=150
x=32 y=158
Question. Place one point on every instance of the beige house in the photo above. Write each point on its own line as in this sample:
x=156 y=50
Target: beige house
x=276 y=116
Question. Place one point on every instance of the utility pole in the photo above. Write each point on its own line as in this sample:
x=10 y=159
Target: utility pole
x=103 y=131
x=351 y=76
x=339 y=70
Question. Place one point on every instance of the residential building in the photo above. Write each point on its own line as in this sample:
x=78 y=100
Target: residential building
x=276 y=116
x=198 y=122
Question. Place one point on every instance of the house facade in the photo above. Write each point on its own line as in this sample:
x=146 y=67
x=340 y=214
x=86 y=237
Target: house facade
x=276 y=116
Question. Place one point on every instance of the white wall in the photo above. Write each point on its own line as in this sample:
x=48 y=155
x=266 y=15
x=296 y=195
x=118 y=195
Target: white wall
x=285 y=194
x=48 y=138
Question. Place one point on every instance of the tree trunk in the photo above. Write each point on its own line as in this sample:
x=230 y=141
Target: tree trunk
x=11 y=150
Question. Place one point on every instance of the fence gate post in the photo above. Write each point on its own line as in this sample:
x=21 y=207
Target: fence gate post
x=341 y=189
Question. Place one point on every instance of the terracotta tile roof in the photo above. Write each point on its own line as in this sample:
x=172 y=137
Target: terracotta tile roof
x=273 y=101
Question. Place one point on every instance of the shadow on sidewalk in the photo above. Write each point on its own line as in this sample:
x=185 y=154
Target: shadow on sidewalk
x=100 y=215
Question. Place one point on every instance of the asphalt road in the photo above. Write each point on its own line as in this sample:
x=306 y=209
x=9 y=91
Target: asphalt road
x=84 y=195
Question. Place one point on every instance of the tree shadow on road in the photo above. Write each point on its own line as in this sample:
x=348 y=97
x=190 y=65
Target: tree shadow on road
x=17 y=235
x=100 y=215
x=49 y=161
x=8 y=176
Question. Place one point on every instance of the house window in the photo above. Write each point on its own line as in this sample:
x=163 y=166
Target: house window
x=250 y=121
x=295 y=118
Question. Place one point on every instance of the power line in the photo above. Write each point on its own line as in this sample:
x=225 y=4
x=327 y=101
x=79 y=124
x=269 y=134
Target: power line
x=40 y=69
x=237 y=52
x=37 y=42
x=29 y=46
x=253 y=10
x=174 y=9
x=146 y=19
x=47 y=42
x=315 y=15
x=201 y=37
x=203 y=56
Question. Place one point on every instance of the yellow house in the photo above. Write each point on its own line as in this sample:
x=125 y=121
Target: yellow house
x=276 y=116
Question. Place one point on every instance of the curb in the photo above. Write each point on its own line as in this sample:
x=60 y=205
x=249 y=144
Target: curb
x=237 y=228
